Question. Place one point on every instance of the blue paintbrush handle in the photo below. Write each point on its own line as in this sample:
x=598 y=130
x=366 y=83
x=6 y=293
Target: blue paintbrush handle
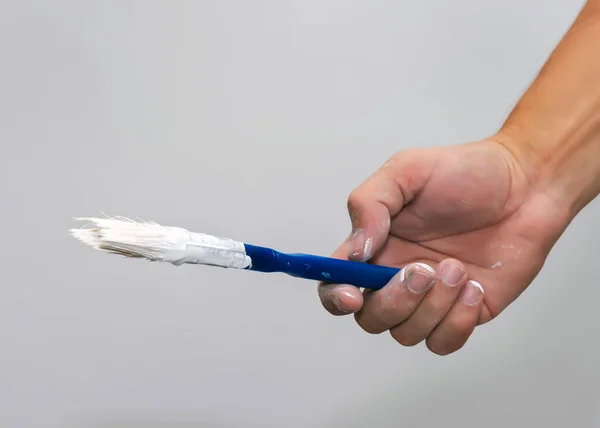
x=319 y=268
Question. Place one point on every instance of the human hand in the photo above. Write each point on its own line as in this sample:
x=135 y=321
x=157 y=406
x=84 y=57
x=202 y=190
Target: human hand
x=460 y=220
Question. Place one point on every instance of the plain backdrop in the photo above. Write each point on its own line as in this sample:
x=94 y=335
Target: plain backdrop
x=254 y=120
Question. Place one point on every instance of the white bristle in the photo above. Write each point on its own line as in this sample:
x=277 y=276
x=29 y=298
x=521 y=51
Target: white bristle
x=149 y=240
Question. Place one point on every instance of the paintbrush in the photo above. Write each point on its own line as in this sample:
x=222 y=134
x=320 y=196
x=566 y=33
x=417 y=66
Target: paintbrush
x=178 y=246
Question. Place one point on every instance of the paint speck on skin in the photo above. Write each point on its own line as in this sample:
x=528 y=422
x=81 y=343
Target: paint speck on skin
x=326 y=275
x=367 y=249
x=511 y=251
x=505 y=254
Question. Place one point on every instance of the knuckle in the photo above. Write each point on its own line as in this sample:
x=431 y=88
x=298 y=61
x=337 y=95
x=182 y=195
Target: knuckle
x=368 y=325
x=453 y=338
x=438 y=350
x=353 y=202
x=442 y=348
x=404 y=338
x=459 y=327
x=394 y=308
x=371 y=329
x=386 y=298
x=435 y=307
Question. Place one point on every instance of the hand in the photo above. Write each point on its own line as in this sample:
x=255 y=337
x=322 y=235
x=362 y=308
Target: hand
x=470 y=229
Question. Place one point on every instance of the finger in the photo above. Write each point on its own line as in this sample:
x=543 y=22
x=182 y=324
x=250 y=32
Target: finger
x=340 y=299
x=451 y=278
x=394 y=303
x=371 y=207
x=458 y=325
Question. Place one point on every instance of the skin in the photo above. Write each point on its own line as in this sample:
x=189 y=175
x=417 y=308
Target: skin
x=472 y=224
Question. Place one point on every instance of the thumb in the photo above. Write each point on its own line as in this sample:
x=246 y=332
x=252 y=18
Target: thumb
x=375 y=202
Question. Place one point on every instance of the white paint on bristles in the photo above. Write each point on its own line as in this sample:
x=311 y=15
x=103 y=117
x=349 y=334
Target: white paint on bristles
x=149 y=240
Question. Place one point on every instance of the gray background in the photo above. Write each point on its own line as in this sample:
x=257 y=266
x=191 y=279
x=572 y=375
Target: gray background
x=254 y=120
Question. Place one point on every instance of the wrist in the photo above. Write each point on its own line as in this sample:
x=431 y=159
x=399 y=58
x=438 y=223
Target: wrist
x=567 y=170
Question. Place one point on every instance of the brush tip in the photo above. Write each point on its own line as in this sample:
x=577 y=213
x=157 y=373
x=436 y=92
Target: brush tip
x=146 y=239
x=124 y=236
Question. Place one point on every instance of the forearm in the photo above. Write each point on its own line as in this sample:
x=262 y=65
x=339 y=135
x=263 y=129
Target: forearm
x=554 y=130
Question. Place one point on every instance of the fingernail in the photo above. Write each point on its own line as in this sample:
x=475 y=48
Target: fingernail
x=452 y=275
x=343 y=301
x=357 y=243
x=418 y=277
x=472 y=293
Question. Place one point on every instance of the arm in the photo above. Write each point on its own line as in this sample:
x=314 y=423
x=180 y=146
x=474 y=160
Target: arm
x=554 y=130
